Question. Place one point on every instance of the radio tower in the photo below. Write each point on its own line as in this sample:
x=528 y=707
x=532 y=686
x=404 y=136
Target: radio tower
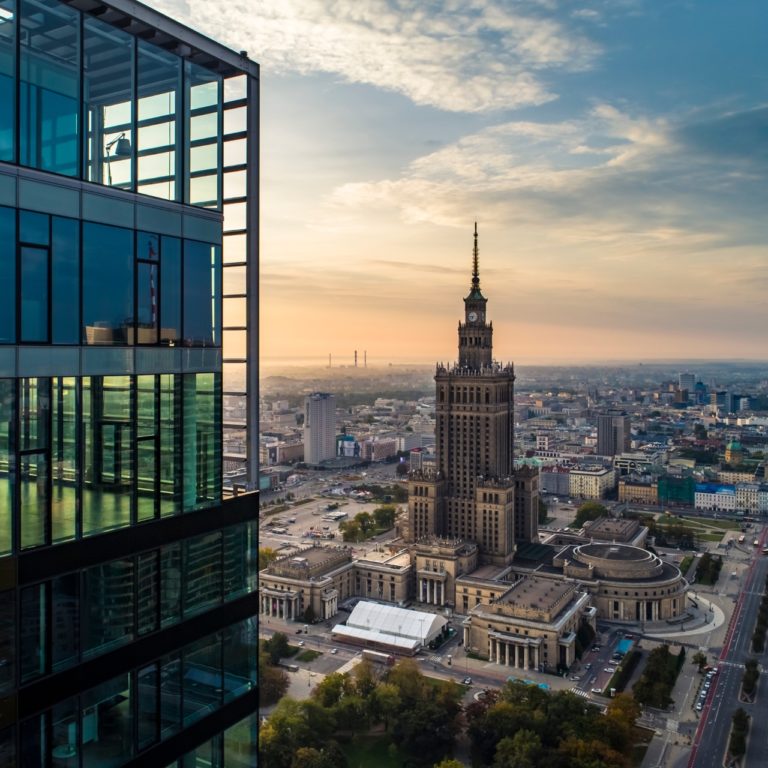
x=355 y=358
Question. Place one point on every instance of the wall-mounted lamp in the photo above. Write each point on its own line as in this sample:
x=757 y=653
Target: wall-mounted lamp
x=122 y=146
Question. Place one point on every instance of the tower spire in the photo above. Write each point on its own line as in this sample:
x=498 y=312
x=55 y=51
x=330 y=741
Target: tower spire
x=475 y=263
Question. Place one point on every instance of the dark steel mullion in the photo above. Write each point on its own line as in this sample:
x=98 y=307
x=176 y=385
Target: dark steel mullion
x=157 y=445
x=133 y=399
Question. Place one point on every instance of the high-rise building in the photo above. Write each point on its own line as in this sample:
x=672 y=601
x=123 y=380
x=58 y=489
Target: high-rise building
x=613 y=434
x=128 y=220
x=319 y=427
x=471 y=493
x=687 y=381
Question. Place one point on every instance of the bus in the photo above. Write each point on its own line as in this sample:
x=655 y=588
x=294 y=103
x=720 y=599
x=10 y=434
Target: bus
x=741 y=538
x=379 y=658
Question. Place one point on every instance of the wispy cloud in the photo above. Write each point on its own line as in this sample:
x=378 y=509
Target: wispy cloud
x=459 y=56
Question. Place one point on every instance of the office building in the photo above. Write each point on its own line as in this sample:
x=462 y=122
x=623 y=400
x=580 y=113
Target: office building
x=613 y=434
x=471 y=493
x=128 y=263
x=319 y=427
x=687 y=381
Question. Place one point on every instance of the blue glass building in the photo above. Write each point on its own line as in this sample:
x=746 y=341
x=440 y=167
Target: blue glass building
x=128 y=328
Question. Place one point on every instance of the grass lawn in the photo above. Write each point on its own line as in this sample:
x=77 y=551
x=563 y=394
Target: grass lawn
x=372 y=752
x=685 y=564
x=308 y=655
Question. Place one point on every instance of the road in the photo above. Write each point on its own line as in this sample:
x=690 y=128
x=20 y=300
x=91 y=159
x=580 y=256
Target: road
x=711 y=738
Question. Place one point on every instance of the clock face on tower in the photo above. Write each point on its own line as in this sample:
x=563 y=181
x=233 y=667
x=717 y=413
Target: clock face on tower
x=472 y=317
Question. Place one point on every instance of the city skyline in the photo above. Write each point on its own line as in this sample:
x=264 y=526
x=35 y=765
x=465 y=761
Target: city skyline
x=609 y=153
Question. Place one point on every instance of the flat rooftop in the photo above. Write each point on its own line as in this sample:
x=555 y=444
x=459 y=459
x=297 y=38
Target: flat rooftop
x=541 y=594
x=399 y=559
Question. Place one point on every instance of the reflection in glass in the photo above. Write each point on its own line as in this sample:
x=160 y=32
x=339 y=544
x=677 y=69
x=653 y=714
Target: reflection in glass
x=107 y=606
x=108 y=103
x=170 y=444
x=7 y=462
x=147 y=592
x=107 y=724
x=148 y=690
x=203 y=117
x=235 y=561
x=34 y=294
x=64 y=459
x=65 y=621
x=32 y=628
x=7 y=275
x=202 y=572
x=240 y=642
x=108 y=432
x=170 y=296
x=159 y=95
x=202 y=678
x=64 y=732
x=240 y=743
x=170 y=584
x=201 y=300
x=34 y=428
x=170 y=695
x=107 y=284
x=147 y=448
x=65 y=281
x=202 y=432
x=7 y=642
x=7 y=80
x=50 y=86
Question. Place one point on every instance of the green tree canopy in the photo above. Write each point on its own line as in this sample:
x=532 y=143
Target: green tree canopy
x=589 y=510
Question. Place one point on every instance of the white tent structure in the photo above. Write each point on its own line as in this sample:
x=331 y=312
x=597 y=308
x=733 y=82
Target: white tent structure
x=389 y=627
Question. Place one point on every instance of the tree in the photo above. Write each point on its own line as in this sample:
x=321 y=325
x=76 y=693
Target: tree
x=309 y=614
x=542 y=511
x=273 y=681
x=351 y=531
x=330 y=690
x=449 y=762
x=364 y=678
x=384 y=516
x=365 y=521
x=330 y=756
x=277 y=647
x=402 y=469
x=520 y=751
x=589 y=510
x=352 y=713
x=425 y=732
x=385 y=702
x=700 y=659
x=267 y=555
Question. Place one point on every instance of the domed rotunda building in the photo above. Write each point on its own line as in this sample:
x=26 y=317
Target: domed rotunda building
x=627 y=583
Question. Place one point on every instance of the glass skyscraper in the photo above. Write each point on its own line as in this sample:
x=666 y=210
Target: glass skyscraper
x=128 y=323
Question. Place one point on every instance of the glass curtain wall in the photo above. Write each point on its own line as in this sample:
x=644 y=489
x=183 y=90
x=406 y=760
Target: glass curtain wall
x=7 y=78
x=49 y=103
x=203 y=147
x=108 y=98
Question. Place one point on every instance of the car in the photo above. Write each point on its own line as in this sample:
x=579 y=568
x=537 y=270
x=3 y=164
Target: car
x=576 y=678
x=588 y=665
x=334 y=650
x=597 y=690
x=699 y=707
x=301 y=643
x=299 y=631
x=467 y=681
x=611 y=670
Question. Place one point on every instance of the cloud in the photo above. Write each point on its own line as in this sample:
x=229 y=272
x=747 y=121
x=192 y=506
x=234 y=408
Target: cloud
x=457 y=56
x=609 y=178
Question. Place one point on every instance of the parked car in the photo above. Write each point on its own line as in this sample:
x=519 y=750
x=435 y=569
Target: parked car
x=334 y=650
x=467 y=681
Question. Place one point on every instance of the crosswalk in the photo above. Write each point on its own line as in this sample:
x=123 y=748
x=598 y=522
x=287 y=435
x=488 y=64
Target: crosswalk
x=580 y=692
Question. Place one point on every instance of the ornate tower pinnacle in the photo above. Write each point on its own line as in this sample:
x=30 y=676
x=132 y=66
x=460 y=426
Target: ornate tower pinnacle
x=475 y=264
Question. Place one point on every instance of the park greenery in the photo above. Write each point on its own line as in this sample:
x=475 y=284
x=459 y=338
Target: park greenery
x=364 y=525
x=654 y=688
x=413 y=721
x=708 y=568
x=589 y=510
x=700 y=659
x=267 y=555
x=273 y=681
x=737 y=746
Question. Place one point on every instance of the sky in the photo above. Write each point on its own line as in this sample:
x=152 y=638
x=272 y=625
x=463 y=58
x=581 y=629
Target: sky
x=614 y=154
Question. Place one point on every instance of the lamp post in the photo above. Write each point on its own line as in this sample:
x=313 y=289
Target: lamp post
x=123 y=149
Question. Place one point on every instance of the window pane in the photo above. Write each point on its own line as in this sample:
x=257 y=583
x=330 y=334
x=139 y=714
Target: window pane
x=8 y=748
x=107 y=724
x=199 y=293
x=147 y=444
x=108 y=433
x=147 y=592
x=170 y=695
x=108 y=103
x=50 y=92
x=107 y=606
x=34 y=294
x=240 y=642
x=65 y=620
x=202 y=435
x=170 y=297
x=7 y=642
x=146 y=296
x=32 y=741
x=64 y=733
x=32 y=633
x=240 y=743
x=202 y=570
x=65 y=280
x=235 y=314
x=148 y=682
x=170 y=444
x=235 y=184
x=159 y=92
x=107 y=284
x=7 y=275
x=64 y=458
x=202 y=678
x=170 y=584
x=7 y=78
x=34 y=228
x=234 y=249
x=202 y=115
x=33 y=493
x=7 y=462
x=235 y=561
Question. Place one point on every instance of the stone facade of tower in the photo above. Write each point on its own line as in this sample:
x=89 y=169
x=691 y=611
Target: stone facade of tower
x=472 y=494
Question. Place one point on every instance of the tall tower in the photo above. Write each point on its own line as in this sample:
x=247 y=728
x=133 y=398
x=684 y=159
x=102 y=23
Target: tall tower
x=472 y=493
x=319 y=427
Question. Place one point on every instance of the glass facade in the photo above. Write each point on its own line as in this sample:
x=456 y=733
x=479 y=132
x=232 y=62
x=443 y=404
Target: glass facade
x=127 y=578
